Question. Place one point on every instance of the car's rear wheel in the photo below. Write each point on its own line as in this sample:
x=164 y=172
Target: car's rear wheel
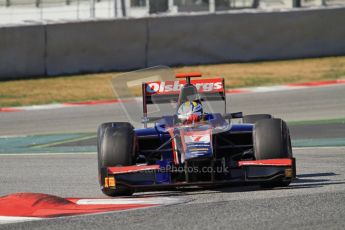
x=115 y=147
x=252 y=118
x=271 y=140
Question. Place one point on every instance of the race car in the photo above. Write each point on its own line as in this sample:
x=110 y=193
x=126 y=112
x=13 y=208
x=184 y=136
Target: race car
x=194 y=145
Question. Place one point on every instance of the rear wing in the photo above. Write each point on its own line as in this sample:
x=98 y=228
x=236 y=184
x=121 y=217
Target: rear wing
x=156 y=92
x=168 y=91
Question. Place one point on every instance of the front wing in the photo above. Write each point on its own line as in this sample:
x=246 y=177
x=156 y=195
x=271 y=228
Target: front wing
x=154 y=177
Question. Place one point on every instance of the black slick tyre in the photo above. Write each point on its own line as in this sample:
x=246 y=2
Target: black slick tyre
x=115 y=147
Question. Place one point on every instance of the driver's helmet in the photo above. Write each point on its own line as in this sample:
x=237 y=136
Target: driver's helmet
x=190 y=111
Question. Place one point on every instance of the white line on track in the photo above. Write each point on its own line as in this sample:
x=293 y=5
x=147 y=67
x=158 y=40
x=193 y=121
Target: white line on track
x=94 y=153
x=46 y=154
x=148 y=200
x=319 y=147
x=16 y=219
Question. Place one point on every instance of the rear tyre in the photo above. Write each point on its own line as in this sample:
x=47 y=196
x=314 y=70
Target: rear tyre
x=271 y=140
x=115 y=147
x=253 y=118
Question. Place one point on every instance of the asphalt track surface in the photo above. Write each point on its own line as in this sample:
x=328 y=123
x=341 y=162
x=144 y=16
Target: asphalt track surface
x=314 y=201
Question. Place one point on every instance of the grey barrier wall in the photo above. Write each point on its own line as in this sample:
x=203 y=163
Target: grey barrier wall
x=246 y=37
x=22 y=51
x=97 y=46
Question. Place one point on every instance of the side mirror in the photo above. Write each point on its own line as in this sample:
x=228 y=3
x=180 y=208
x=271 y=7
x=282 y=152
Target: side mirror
x=235 y=115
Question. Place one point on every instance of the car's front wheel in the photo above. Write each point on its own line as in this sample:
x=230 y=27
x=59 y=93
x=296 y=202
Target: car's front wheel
x=115 y=147
x=271 y=140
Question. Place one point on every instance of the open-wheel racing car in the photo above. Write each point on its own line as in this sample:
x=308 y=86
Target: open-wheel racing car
x=193 y=145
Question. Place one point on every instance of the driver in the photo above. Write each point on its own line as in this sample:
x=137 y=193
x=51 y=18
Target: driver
x=190 y=112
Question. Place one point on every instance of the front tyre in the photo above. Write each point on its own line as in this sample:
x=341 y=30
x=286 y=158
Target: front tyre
x=115 y=147
x=271 y=140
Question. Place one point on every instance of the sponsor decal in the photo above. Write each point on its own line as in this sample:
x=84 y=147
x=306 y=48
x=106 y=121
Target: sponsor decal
x=197 y=143
x=191 y=138
x=198 y=149
x=173 y=87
